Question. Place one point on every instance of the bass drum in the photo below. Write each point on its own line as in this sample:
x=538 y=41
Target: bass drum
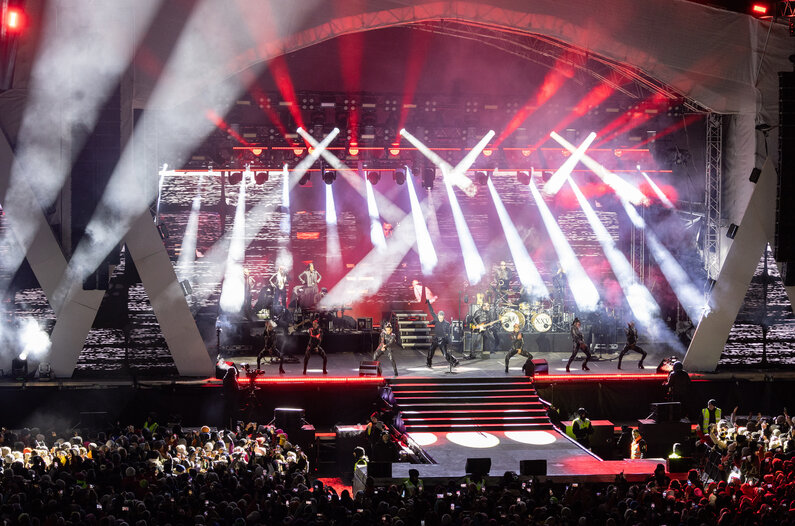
x=541 y=322
x=510 y=317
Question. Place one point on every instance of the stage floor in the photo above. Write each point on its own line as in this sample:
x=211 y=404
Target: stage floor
x=566 y=460
x=412 y=363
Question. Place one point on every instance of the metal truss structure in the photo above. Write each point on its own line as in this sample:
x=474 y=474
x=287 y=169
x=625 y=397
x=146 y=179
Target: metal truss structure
x=712 y=205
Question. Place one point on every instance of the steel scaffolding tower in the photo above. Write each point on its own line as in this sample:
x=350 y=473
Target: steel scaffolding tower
x=713 y=195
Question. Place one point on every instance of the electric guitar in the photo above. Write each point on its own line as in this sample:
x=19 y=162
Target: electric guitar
x=291 y=329
x=482 y=326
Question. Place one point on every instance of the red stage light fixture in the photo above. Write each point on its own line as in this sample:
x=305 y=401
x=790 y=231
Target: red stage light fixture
x=399 y=176
x=256 y=151
x=14 y=20
x=261 y=177
x=527 y=153
x=298 y=152
x=487 y=152
x=394 y=150
x=329 y=176
x=373 y=177
x=353 y=149
x=523 y=177
x=235 y=177
x=481 y=177
x=304 y=179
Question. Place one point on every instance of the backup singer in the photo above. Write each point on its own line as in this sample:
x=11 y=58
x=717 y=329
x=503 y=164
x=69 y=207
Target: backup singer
x=315 y=337
x=269 y=347
x=387 y=344
x=441 y=337
x=310 y=279
x=485 y=337
x=632 y=345
x=279 y=283
x=517 y=346
x=578 y=343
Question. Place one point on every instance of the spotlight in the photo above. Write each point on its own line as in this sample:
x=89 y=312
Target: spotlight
x=428 y=176
x=394 y=150
x=19 y=367
x=481 y=177
x=235 y=177
x=759 y=9
x=487 y=152
x=298 y=152
x=14 y=20
x=732 y=231
x=261 y=177
x=754 y=177
x=353 y=149
x=329 y=176
x=373 y=177
x=523 y=177
x=399 y=176
x=304 y=180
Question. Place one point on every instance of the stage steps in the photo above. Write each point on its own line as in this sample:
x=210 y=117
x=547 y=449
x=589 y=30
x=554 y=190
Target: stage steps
x=454 y=403
x=411 y=327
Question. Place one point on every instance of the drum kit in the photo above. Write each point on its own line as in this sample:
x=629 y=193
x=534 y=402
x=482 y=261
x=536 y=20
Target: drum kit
x=537 y=314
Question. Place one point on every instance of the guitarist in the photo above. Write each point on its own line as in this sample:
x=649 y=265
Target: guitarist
x=485 y=321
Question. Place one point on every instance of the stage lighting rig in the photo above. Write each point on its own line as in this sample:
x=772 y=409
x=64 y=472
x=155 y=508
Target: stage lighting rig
x=235 y=177
x=329 y=176
x=261 y=177
x=399 y=176
x=523 y=177
x=373 y=177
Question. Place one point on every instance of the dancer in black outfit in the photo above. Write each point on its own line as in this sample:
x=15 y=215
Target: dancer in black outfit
x=517 y=346
x=387 y=344
x=269 y=347
x=632 y=345
x=578 y=342
x=441 y=337
x=315 y=337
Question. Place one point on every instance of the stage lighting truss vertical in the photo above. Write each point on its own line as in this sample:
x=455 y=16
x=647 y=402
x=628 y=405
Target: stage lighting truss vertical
x=638 y=250
x=713 y=195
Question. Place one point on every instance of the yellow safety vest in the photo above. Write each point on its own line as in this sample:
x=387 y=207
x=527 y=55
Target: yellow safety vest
x=705 y=418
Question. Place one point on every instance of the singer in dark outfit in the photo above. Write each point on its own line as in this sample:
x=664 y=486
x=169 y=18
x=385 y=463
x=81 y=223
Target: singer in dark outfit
x=578 y=344
x=387 y=344
x=315 y=337
x=440 y=338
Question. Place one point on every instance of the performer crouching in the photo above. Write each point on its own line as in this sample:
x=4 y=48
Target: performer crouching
x=517 y=346
x=632 y=345
x=387 y=344
x=578 y=342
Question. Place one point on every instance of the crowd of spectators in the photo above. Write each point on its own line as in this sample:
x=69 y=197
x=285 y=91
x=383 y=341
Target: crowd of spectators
x=254 y=475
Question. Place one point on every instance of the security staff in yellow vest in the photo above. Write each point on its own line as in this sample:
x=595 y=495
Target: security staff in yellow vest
x=710 y=415
x=581 y=428
x=476 y=479
x=638 y=446
x=413 y=484
x=360 y=459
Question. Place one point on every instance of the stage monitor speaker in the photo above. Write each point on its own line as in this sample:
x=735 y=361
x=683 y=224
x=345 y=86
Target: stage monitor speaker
x=480 y=466
x=364 y=324
x=666 y=411
x=529 y=468
x=288 y=418
x=369 y=368
x=379 y=469
x=541 y=366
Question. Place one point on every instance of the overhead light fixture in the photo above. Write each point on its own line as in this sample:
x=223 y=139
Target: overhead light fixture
x=399 y=176
x=329 y=176
x=732 y=231
x=373 y=177
x=353 y=149
x=523 y=177
x=261 y=177
x=428 y=176
x=481 y=177
x=235 y=177
x=304 y=180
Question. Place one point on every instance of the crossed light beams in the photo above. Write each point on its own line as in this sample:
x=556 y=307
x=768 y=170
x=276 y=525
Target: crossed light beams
x=427 y=253
x=473 y=263
x=689 y=296
x=619 y=186
x=212 y=35
x=75 y=68
x=644 y=308
x=216 y=256
x=557 y=180
x=583 y=289
x=525 y=268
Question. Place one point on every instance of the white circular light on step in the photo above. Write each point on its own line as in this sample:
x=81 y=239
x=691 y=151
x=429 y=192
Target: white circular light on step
x=423 y=439
x=474 y=439
x=537 y=438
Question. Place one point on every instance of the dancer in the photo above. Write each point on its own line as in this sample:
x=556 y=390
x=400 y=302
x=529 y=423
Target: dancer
x=387 y=344
x=315 y=337
x=578 y=342
x=632 y=345
x=441 y=337
x=517 y=346
x=310 y=279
